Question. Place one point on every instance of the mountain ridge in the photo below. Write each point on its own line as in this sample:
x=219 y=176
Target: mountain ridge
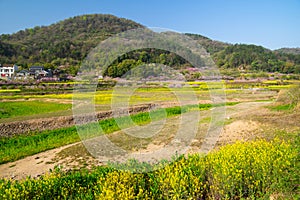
x=68 y=42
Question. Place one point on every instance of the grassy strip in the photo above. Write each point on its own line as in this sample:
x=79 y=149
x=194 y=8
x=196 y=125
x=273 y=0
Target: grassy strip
x=24 y=145
x=10 y=90
x=251 y=170
x=22 y=108
x=21 y=146
x=282 y=107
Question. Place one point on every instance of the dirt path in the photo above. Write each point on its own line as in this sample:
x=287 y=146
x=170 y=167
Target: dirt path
x=33 y=166
x=76 y=156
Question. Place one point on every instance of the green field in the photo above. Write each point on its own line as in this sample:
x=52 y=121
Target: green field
x=27 y=108
x=199 y=87
x=23 y=107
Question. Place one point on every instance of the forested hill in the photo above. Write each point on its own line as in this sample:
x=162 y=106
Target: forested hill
x=211 y=46
x=257 y=58
x=69 y=41
x=289 y=50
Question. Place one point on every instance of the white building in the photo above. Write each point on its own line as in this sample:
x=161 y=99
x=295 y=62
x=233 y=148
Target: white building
x=7 y=71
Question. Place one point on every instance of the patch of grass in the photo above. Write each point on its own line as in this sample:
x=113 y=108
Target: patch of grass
x=9 y=90
x=205 y=120
x=37 y=116
x=282 y=107
x=111 y=125
x=270 y=133
x=21 y=146
x=288 y=99
x=77 y=150
x=279 y=87
x=264 y=100
x=24 y=108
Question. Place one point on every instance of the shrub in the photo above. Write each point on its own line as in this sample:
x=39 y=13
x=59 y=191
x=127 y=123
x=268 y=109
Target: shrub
x=249 y=170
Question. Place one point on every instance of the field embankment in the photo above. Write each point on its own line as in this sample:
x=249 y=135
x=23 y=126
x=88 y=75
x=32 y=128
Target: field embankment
x=35 y=125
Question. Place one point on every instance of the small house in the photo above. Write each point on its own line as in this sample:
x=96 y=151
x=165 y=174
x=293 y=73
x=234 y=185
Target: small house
x=22 y=73
x=33 y=70
x=7 y=70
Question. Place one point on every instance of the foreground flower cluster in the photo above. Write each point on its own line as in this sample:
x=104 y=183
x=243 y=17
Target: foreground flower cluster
x=249 y=170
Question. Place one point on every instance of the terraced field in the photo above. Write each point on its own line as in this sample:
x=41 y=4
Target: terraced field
x=252 y=128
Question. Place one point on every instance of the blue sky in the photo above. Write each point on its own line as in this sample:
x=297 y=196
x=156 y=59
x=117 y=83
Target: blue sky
x=270 y=23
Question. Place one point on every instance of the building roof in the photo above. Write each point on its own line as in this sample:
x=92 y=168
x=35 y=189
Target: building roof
x=36 y=67
x=24 y=71
x=7 y=65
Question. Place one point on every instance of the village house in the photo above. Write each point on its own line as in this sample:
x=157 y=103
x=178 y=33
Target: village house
x=33 y=70
x=23 y=74
x=39 y=72
x=7 y=70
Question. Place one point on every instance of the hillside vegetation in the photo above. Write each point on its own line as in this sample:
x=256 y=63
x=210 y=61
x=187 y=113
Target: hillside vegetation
x=257 y=58
x=69 y=41
x=289 y=50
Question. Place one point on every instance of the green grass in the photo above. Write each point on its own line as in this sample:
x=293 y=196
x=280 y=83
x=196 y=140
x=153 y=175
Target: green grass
x=26 y=108
x=9 y=90
x=20 y=146
x=24 y=145
x=279 y=87
x=282 y=107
